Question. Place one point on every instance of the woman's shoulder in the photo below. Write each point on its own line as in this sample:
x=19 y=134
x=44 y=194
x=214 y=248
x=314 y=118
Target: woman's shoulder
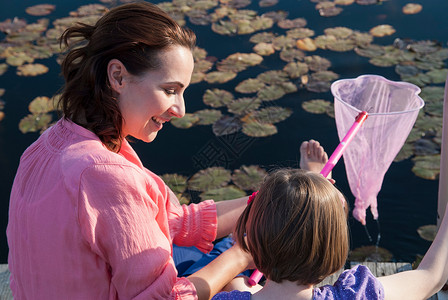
x=357 y=281
x=233 y=295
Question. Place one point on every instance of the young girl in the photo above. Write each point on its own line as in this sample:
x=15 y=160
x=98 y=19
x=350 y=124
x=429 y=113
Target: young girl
x=296 y=230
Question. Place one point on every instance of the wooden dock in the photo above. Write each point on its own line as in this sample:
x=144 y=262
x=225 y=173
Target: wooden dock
x=378 y=269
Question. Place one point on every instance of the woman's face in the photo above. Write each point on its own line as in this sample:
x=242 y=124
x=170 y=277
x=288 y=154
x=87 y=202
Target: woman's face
x=146 y=102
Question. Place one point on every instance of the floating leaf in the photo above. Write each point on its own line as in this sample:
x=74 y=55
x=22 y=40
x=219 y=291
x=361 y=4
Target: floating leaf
x=225 y=28
x=424 y=47
x=330 y=11
x=322 y=41
x=250 y=85
x=219 y=77
x=41 y=105
x=243 y=106
x=249 y=177
x=2 y=115
x=257 y=129
x=197 y=77
x=267 y=3
x=426 y=147
x=208 y=116
x=344 y=2
x=287 y=87
x=270 y=93
x=34 y=122
x=382 y=30
x=339 y=32
x=427 y=167
x=90 y=9
x=273 y=77
x=438 y=76
x=177 y=183
x=272 y=114
x=187 y=121
x=361 y=39
x=406 y=70
x=262 y=37
x=225 y=193
x=290 y=55
x=429 y=123
x=405 y=152
x=306 y=44
x=370 y=253
x=370 y=51
x=2 y=92
x=341 y=45
x=299 y=33
x=412 y=8
x=31 y=70
x=9 y=26
x=217 y=97
x=427 y=232
x=316 y=106
x=317 y=63
x=276 y=16
x=283 y=42
x=288 y=24
x=367 y=2
x=226 y=125
x=202 y=66
x=296 y=69
x=3 y=69
x=324 y=76
x=40 y=9
x=318 y=86
x=210 y=178
x=264 y=49
x=432 y=93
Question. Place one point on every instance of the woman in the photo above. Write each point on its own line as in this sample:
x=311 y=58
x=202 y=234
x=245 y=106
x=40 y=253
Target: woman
x=87 y=220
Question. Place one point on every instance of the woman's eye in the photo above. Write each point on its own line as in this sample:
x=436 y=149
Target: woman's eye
x=170 y=91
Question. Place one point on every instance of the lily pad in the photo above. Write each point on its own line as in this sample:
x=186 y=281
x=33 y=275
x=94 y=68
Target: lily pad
x=438 y=75
x=339 y=32
x=317 y=63
x=295 y=23
x=187 y=121
x=322 y=41
x=40 y=9
x=249 y=86
x=226 y=125
x=273 y=77
x=41 y=105
x=9 y=26
x=342 y=45
x=406 y=70
x=324 y=76
x=426 y=147
x=210 y=178
x=225 y=193
x=330 y=11
x=316 y=106
x=225 y=27
x=296 y=69
x=219 y=77
x=370 y=253
x=270 y=93
x=249 y=178
x=262 y=37
x=34 y=123
x=217 y=97
x=267 y=3
x=427 y=167
x=257 y=129
x=3 y=69
x=405 y=152
x=202 y=66
x=291 y=54
x=370 y=51
x=177 y=183
x=244 y=105
x=272 y=114
x=429 y=123
x=427 y=232
x=306 y=44
x=208 y=116
x=382 y=30
x=412 y=8
x=283 y=42
x=432 y=93
x=318 y=86
x=299 y=33
x=264 y=49
x=31 y=70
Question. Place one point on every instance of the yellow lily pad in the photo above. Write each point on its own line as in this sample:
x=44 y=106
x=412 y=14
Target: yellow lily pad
x=264 y=49
x=412 y=8
x=34 y=122
x=217 y=97
x=40 y=9
x=382 y=30
x=31 y=70
x=306 y=44
x=219 y=77
x=3 y=69
x=41 y=105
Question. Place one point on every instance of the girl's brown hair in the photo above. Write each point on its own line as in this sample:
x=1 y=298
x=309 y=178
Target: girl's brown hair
x=132 y=33
x=296 y=227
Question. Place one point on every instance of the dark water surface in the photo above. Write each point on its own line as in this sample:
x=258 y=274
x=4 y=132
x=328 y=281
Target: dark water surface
x=406 y=202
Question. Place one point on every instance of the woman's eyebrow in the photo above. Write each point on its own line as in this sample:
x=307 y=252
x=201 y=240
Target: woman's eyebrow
x=176 y=82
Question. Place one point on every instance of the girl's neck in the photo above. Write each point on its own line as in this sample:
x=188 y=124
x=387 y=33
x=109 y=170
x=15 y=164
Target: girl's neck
x=285 y=290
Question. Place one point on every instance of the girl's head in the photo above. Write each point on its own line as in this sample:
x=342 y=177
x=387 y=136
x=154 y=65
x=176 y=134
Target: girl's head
x=114 y=56
x=295 y=228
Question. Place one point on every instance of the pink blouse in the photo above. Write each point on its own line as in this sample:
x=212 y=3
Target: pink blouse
x=87 y=223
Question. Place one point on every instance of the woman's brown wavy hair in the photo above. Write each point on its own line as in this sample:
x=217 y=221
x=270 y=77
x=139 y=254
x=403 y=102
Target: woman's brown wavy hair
x=132 y=33
x=295 y=228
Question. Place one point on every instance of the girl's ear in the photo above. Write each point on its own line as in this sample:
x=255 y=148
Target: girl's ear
x=116 y=71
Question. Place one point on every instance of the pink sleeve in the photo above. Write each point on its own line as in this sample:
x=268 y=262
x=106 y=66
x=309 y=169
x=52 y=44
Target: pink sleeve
x=193 y=224
x=128 y=230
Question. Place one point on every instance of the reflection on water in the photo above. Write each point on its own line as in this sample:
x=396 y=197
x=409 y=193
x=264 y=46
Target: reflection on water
x=405 y=201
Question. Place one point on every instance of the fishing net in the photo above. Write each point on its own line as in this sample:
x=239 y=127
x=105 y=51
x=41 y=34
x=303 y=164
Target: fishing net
x=392 y=109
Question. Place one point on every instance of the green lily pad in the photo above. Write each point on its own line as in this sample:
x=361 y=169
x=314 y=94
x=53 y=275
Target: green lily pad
x=217 y=97
x=225 y=193
x=208 y=116
x=361 y=39
x=225 y=27
x=89 y=10
x=434 y=108
x=427 y=167
x=3 y=69
x=316 y=106
x=262 y=37
x=9 y=26
x=41 y=105
x=249 y=178
x=317 y=63
x=291 y=55
x=295 y=23
x=370 y=51
x=40 y=9
x=264 y=49
x=287 y=87
x=406 y=70
x=249 y=86
x=187 y=121
x=324 y=76
x=283 y=42
x=31 y=70
x=177 y=183
x=244 y=105
x=424 y=147
x=18 y=59
x=261 y=23
x=439 y=55
x=272 y=114
x=322 y=41
x=438 y=75
x=199 y=53
x=384 y=61
x=277 y=16
x=429 y=65
x=382 y=30
x=420 y=79
x=339 y=32
x=318 y=86
x=219 y=77
x=424 y=47
x=270 y=93
x=257 y=129
x=370 y=253
x=210 y=178
x=296 y=69
x=197 y=77
x=299 y=33
x=429 y=123
x=267 y=3
x=273 y=77
x=202 y=66
x=34 y=123
x=342 y=45
x=226 y=125
x=427 y=232
x=199 y=17
x=344 y=2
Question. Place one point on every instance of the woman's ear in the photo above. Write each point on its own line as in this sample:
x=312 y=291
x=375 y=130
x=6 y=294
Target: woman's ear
x=116 y=71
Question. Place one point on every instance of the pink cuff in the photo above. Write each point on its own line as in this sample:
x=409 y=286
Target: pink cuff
x=184 y=289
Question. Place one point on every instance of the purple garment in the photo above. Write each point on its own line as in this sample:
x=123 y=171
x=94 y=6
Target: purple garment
x=357 y=283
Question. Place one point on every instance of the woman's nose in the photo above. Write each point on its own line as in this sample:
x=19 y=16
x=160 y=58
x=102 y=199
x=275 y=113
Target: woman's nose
x=178 y=108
